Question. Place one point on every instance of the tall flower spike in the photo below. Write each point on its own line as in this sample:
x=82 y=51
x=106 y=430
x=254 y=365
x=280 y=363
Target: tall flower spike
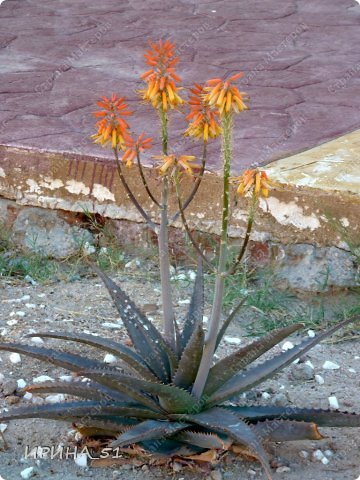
x=255 y=180
x=161 y=78
x=203 y=119
x=133 y=146
x=112 y=127
x=225 y=96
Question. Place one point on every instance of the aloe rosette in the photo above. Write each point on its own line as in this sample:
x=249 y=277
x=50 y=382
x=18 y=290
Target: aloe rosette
x=149 y=402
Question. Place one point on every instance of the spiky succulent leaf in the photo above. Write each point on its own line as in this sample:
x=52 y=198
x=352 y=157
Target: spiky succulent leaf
x=147 y=340
x=124 y=353
x=148 y=430
x=72 y=411
x=226 y=368
x=323 y=418
x=260 y=373
x=172 y=399
x=228 y=321
x=196 y=308
x=205 y=440
x=88 y=390
x=226 y=422
x=287 y=431
x=190 y=359
x=69 y=361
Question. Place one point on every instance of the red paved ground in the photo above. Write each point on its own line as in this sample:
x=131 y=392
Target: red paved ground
x=301 y=60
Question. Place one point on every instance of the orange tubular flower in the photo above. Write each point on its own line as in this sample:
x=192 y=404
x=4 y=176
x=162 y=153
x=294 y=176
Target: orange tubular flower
x=133 y=146
x=182 y=163
x=253 y=179
x=112 y=127
x=203 y=120
x=161 y=78
x=225 y=96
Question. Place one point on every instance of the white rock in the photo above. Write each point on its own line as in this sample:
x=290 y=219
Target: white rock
x=3 y=427
x=265 y=395
x=88 y=249
x=27 y=473
x=329 y=453
x=25 y=298
x=11 y=323
x=287 y=346
x=43 y=378
x=233 y=340
x=67 y=378
x=21 y=383
x=60 y=397
x=42 y=295
x=37 y=340
x=81 y=460
x=28 y=396
x=15 y=358
x=329 y=365
x=20 y=314
x=205 y=319
x=333 y=402
x=324 y=461
x=310 y=364
x=109 y=358
x=37 y=400
x=30 y=305
x=112 y=325
x=304 y=454
x=191 y=274
x=186 y=301
x=311 y=333
x=352 y=370
x=318 y=455
x=356 y=357
x=319 y=379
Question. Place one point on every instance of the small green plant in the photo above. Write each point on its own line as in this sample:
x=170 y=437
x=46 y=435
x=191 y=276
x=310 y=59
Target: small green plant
x=172 y=398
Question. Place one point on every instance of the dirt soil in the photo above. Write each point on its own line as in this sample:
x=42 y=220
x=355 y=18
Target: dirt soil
x=84 y=305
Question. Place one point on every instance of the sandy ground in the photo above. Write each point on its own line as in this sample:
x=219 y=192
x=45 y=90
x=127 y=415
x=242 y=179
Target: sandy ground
x=84 y=306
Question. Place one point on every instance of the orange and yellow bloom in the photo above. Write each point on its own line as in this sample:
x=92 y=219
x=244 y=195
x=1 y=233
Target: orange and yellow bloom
x=161 y=78
x=225 y=96
x=183 y=163
x=132 y=147
x=203 y=123
x=255 y=180
x=111 y=127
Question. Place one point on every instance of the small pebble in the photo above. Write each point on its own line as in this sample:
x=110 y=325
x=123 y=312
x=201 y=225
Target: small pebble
x=66 y=378
x=20 y=314
x=43 y=378
x=15 y=358
x=28 y=396
x=333 y=402
x=81 y=460
x=318 y=455
x=309 y=364
x=287 y=346
x=352 y=370
x=216 y=475
x=30 y=305
x=304 y=454
x=12 y=400
x=311 y=333
x=109 y=358
x=302 y=371
x=11 y=323
x=27 y=473
x=329 y=453
x=191 y=274
x=328 y=365
x=55 y=398
x=9 y=387
x=21 y=383
x=280 y=400
x=186 y=301
x=37 y=340
x=233 y=340
x=265 y=395
x=3 y=427
x=319 y=379
x=283 y=470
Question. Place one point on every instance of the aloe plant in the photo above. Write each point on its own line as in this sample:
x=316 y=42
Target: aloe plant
x=170 y=397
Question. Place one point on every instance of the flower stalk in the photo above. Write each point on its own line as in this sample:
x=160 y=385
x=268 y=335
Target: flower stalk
x=215 y=319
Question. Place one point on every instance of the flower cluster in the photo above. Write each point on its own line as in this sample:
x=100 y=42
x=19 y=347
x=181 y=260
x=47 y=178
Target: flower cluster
x=132 y=147
x=253 y=179
x=203 y=119
x=173 y=163
x=225 y=96
x=112 y=127
x=161 y=78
